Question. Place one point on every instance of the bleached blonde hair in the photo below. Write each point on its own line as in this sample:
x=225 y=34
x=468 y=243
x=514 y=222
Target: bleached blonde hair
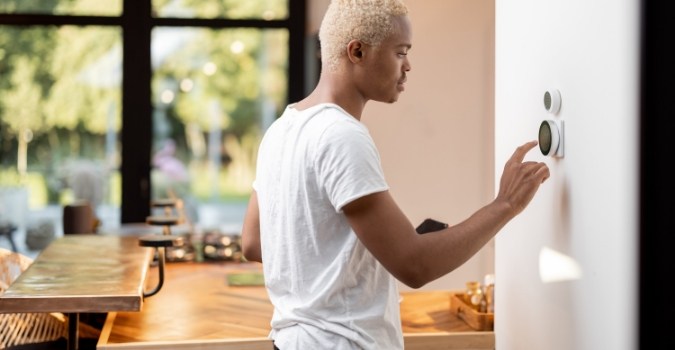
x=346 y=20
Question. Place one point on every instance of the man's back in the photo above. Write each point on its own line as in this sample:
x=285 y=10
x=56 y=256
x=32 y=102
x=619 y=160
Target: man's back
x=321 y=279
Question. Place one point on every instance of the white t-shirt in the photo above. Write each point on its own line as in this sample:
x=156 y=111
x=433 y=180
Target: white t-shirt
x=327 y=289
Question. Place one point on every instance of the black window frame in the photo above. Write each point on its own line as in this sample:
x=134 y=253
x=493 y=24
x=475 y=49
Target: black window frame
x=136 y=23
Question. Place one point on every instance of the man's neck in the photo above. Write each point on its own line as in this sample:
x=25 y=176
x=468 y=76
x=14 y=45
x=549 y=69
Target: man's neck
x=334 y=88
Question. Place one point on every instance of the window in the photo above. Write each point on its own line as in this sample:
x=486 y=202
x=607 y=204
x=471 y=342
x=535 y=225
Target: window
x=213 y=92
x=121 y=102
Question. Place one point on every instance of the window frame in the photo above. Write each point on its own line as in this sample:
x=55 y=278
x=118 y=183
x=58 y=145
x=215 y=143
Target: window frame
x=136 y=23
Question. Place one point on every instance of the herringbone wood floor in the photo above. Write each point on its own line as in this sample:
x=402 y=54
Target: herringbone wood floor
x=196 y=306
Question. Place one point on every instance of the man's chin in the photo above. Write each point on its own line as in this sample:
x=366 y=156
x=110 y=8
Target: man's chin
x=389 y=99
x=393 y=99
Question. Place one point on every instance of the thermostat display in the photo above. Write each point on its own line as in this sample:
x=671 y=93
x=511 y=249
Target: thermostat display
x=551 y=138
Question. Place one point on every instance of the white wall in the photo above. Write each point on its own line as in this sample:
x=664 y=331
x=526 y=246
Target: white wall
x=588 y=209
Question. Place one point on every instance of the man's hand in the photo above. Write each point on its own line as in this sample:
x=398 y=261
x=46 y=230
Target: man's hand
x=521 y=180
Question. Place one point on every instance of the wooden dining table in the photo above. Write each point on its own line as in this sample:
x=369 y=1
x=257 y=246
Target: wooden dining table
x=82 y=273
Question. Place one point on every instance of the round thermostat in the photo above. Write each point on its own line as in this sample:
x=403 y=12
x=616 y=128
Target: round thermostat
x=552 y=101
x=549 y=138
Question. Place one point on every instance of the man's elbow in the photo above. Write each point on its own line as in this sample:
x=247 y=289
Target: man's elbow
x=413 y=277
x=251 y=253
x=414 y=283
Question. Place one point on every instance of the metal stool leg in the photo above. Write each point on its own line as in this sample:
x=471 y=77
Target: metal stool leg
x=73 y=331
x=160 y=243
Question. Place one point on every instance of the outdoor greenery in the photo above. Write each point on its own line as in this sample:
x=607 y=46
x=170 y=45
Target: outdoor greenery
x=60 y=98
x=234 y=9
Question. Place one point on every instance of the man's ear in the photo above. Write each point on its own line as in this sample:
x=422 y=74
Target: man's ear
x=355 y=51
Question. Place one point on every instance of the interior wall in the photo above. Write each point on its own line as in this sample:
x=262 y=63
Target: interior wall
x=437 y=141
x=566 y=268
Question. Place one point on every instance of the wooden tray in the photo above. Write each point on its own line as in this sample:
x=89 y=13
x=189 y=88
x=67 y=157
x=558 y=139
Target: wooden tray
x=480 y=321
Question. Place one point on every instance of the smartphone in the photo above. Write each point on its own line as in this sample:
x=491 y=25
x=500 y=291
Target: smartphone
x=430 y=225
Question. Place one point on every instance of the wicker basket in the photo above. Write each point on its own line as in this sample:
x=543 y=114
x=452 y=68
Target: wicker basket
x=30 y=328
x=25 y=328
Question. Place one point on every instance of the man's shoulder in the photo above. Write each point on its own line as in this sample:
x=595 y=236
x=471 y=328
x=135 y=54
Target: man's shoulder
x=327 y=110
x=329 y=118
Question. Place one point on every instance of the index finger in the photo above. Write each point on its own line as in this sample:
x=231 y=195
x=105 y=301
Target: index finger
x=521 y=151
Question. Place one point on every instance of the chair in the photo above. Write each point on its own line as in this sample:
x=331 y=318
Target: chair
x=25 y=328
x=32 y=330
x=79 y=217
x=7 y=231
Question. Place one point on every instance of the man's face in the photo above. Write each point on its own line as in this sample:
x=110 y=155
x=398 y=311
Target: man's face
x=386 y=65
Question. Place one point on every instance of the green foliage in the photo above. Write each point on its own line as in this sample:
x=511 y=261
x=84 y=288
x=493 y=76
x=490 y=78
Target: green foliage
x=22 y=110
x=70 y=7
x=236 y=85
x=85 y=62
x=27 y=6
x=35 y=182
x=236 y=9
x=10 y=178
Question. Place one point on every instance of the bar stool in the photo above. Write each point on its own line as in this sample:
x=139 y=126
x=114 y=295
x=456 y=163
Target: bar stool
x=165 y=222
x=170 y=213
x=160 y=243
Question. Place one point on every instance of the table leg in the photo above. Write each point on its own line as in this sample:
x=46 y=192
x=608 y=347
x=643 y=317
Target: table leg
x=73 y=330
x=9 y=232
x=11 y=242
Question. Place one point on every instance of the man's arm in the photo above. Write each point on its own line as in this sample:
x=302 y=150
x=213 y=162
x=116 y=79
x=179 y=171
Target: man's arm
x=250 y=235
x=419 y=259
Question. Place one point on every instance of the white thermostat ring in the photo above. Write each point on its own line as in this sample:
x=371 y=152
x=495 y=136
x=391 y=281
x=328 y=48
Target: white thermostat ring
x=551 y=138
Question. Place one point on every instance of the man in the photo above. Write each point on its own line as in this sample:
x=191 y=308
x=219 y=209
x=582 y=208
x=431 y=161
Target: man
x=321 y=219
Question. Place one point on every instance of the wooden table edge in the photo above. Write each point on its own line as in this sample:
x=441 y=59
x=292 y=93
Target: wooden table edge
x=450 y=340
x=69 y=304
x=248 y=343
x=11 y=302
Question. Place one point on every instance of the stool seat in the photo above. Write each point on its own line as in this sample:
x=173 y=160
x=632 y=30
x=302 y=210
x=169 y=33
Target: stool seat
x=166 y=202
x=160 y=241
x=162 y=220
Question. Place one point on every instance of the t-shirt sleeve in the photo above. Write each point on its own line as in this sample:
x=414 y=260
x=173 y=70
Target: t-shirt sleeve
x=348 y=164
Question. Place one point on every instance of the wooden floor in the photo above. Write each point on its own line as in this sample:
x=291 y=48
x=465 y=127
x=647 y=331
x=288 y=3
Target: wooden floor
x=197 y=309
